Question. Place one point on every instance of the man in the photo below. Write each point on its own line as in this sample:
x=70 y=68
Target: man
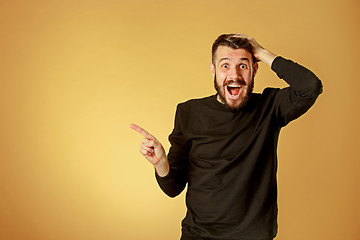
x=224 y=147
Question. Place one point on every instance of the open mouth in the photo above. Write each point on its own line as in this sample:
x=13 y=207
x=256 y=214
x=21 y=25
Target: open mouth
x=234 y=90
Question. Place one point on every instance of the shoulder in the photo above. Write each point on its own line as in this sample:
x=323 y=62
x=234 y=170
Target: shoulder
x=197 y=102
x=194 y=107
x=268 y=92
x=263 y=101
x=266 y=95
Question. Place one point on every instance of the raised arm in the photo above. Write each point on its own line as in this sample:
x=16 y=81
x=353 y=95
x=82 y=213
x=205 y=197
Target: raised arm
x=304 y=82
x=305 y=86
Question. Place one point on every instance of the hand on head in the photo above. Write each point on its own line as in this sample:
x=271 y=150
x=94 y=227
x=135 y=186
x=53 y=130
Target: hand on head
x=260 y=53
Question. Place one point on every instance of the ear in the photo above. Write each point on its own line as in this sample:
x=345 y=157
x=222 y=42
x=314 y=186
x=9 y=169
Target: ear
x=212 y=69
x=255 y=68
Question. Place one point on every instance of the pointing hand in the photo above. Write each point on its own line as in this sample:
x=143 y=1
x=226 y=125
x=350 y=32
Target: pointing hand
x=153 y=151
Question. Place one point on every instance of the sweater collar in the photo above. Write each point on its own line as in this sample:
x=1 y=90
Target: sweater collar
x=220 y=106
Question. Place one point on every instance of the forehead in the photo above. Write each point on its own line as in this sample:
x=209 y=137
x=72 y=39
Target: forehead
x=231 y=54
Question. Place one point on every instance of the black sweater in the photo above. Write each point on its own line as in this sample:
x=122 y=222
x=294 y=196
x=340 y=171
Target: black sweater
x=229 y=159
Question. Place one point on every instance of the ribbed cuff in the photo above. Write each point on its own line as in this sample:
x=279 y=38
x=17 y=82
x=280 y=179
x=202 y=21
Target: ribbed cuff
x=165 y=180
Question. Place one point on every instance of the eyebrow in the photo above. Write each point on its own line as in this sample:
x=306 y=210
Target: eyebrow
x=244 y=59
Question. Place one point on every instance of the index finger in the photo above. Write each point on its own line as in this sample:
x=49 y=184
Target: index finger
x=141 y=131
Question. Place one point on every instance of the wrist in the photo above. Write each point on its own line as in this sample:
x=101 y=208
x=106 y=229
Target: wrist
x=265 y=56
x=162 y=168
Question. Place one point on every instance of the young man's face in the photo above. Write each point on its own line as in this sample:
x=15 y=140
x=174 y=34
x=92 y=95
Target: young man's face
x=233 y=71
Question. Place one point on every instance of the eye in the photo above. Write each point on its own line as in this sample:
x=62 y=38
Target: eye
x=243 y=66
x=225 y=65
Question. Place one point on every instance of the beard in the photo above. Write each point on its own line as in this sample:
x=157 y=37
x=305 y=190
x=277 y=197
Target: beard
x=248 y=89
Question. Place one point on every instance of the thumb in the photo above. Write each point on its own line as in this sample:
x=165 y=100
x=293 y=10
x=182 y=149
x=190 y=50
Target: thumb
x=157 y=146
x=152 y=143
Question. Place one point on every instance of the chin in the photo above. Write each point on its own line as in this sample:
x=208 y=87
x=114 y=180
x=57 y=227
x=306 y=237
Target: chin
x=236 y=105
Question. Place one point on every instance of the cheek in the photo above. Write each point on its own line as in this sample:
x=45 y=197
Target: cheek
x=247 y=76
x=218 y=82
x=221 y=77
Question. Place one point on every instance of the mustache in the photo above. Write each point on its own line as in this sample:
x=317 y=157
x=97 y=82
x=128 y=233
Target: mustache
x=238 y=81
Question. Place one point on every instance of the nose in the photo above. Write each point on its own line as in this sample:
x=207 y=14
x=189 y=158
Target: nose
x=235 y=73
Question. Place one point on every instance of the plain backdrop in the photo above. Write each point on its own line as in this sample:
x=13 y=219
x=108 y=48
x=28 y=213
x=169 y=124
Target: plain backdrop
x=75 y=74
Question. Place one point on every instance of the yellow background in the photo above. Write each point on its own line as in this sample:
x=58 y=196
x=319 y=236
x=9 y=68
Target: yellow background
x=75 y=74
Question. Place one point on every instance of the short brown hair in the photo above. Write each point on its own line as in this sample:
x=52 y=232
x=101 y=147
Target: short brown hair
x=234 y=41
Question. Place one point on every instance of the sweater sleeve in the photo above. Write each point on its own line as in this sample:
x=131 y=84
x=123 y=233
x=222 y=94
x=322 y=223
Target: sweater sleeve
x=174 y=183
x=295 y=100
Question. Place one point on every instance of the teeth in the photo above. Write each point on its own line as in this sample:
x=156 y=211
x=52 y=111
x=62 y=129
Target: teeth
x=234 y=85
